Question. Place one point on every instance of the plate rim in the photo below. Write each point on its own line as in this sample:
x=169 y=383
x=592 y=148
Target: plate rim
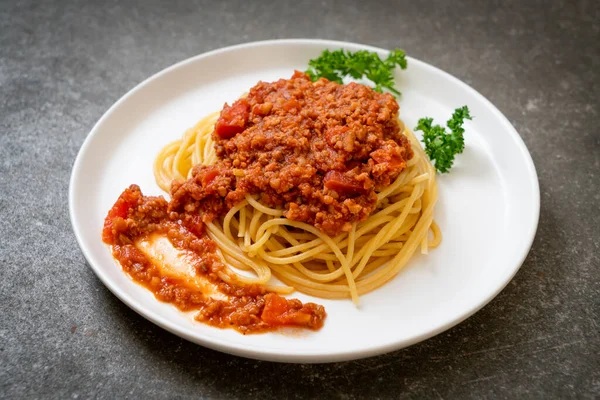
x=255 y=352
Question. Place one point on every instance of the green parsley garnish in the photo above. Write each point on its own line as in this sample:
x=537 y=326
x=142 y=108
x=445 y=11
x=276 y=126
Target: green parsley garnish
x=441 y=146
x=334 y=65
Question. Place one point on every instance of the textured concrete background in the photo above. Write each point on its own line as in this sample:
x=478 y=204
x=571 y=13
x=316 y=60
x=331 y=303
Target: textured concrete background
x=63 y=63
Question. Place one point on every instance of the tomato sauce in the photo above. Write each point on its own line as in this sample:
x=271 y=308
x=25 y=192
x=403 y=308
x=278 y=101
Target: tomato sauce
x=319 y=150
x=136 y=221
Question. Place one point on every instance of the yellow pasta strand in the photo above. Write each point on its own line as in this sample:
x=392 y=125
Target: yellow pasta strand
x=259 y=239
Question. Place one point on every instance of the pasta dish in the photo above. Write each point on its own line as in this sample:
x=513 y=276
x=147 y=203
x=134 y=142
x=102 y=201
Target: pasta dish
x=319 y=185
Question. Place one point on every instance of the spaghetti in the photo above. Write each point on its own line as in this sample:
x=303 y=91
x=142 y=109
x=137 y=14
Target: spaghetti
x=256 y=238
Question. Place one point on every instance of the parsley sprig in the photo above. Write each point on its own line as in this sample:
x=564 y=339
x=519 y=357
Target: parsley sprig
x=442 y=146
x=335 y=65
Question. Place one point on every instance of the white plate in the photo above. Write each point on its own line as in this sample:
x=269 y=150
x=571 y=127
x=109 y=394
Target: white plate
x=488 y=205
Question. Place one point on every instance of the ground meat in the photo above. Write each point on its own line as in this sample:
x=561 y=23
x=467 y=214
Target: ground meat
x=318 y=149
x=246 y=308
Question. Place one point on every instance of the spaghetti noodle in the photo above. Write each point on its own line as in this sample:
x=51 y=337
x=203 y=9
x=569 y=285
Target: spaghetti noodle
x=253 y=237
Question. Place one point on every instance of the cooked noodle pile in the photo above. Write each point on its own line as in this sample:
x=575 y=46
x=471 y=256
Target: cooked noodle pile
x=258 y=239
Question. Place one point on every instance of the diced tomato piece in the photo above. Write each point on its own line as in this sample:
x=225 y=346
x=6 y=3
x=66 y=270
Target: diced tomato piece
x=390 y=154
x=335 y=134
x=277 y=312
x=233 y=119
x=209 y=175
x=275 y=308
x=335 y=180
x=128 y=199
x=290 y=104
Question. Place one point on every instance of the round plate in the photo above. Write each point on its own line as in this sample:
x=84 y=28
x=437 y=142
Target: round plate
x=488 y=205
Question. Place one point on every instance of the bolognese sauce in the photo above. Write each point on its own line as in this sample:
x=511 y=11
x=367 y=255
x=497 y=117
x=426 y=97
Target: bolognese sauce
x=320 y=150
x=135 y=219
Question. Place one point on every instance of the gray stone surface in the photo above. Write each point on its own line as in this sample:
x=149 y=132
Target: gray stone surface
x=63 y=63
